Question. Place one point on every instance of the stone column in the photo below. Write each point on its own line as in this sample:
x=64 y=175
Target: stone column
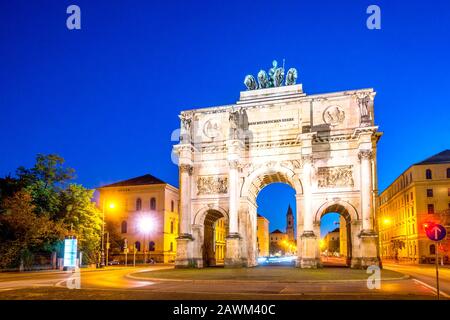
x=185 y=200
x=184 y=240
x=233 y=254
x=309 y=242
x=368 y=236
x=365 y=157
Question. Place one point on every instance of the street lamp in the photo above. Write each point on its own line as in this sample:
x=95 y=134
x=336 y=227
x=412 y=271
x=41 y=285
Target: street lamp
x=386 y=221
x=111 y=206
x=145 y=225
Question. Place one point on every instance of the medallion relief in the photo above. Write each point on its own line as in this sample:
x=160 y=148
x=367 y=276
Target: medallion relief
x=333 y=177
x=333 y=115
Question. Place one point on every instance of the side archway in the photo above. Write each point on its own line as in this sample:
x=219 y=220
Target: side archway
x=211 y=230
x=342 y=207
x=347 y=229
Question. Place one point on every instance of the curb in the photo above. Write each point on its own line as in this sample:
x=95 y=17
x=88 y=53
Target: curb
x=134 y=277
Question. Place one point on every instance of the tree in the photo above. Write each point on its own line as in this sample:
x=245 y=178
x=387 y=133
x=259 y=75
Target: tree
x=22 y=232
x=41 y=199
x=49 y=169
x=81 y=216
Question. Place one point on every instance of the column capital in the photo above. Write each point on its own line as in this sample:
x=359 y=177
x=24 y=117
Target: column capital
x=307 y=158
x=186 y=168
x=234 y=164
x=365 y=154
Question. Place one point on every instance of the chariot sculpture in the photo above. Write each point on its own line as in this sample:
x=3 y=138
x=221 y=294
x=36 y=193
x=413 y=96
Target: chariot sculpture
x=273 y=78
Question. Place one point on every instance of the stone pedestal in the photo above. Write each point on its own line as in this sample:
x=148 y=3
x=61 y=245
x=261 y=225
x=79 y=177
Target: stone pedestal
x=369 y=249
x=184 y=257
x=233 y=254
x=310 y=254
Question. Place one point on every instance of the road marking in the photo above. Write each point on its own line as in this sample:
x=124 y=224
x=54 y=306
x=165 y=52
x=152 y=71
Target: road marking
x=432 y=288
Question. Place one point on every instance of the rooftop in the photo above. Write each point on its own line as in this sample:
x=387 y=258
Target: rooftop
x=146 y=179
x=441 y=157
x=277 y=231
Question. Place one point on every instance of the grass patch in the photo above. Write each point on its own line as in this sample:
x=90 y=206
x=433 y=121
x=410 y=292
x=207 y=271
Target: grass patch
x=266 y=273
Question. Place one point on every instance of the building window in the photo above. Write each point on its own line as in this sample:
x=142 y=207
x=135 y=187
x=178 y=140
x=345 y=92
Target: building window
x=431 y=208
x=138 y=204
x=428 y=174
x=429 y=193
x=171 y=227
x=151 y=246
x=124 y=227
x=432 y=249
x=137 y=245
x=152 y=204
x=448 y=173
x=171 y=246
x=172 y=206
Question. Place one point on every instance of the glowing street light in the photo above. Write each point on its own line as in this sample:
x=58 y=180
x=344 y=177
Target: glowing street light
x=145 y=226
x=386 y=221
x=111 y=205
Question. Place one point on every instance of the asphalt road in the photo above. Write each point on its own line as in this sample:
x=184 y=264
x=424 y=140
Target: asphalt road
x=425 y=275
x=114 y=283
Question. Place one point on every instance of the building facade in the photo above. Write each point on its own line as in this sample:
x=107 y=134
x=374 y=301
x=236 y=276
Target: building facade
x=418 y=196
x=331 y=241
x=324 y=146
x=262 y=236
x=290 y=225
x=278 y=242
x=220 y=234
x=144 y=210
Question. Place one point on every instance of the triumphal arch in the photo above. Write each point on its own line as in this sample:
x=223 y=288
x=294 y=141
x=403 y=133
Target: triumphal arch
x=322 y=145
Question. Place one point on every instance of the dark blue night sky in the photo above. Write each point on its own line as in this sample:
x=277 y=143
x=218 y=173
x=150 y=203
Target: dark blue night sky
x=106 y=97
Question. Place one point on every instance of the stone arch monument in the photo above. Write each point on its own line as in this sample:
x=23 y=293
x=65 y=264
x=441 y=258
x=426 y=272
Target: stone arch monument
x=322 y=145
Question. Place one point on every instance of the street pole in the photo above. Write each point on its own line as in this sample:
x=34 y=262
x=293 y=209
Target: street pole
x=437 y=270
x=102 y=262
x=107 y=248
x=145 y=252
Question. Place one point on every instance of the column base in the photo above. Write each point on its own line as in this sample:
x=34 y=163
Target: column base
x=184 y=252
x=308 y=263
x=369 y=250
x=233 y=255
x=310 y=258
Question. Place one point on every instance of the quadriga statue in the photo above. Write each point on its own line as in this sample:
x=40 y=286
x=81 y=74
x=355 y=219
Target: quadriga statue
x=263 y=79
x=291 y=77
x=250 y=82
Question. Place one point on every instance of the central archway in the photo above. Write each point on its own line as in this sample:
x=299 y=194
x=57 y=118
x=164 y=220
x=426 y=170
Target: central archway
x=252 y=186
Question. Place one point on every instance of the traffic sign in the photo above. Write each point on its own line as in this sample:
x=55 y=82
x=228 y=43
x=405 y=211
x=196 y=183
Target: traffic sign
x=435 y=232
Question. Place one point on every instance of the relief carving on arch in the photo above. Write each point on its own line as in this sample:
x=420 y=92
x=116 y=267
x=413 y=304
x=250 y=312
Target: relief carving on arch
x=212 y=185
x=335 y=177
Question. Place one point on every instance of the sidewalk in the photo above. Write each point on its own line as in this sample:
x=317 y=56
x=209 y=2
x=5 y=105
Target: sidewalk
x=84 y=269
x=410 y=264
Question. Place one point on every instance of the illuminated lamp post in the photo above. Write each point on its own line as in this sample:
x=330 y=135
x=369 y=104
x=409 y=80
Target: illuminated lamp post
x=145 y=225
x=111 y=206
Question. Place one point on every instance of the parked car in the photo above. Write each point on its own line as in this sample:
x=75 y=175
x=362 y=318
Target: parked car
x=114 y=262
